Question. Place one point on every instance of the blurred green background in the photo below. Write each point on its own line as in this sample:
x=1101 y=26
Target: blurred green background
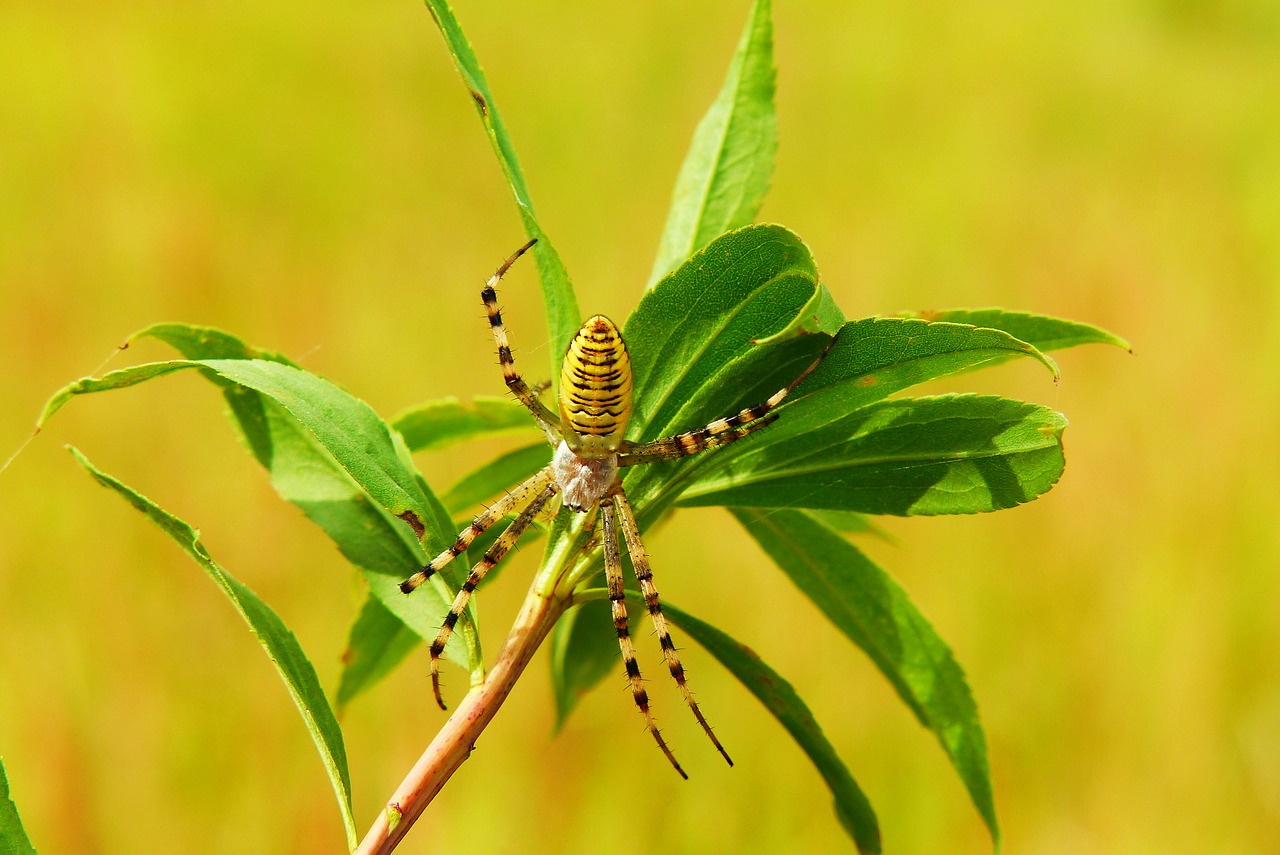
x=313 y=178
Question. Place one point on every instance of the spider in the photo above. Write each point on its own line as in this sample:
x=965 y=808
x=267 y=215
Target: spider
x=595 y=406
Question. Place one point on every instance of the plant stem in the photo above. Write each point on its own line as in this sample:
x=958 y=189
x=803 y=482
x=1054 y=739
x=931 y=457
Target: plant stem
x=453 y=744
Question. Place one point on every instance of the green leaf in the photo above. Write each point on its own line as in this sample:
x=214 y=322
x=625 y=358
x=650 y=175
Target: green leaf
x=875 y=357
x=13 y=837
x=563 y=317
x=583 y=652
x=706 y=316
x=851 y=805
x=870 y=359
x=279 y=643
x=439 y=424
x=377 y=643
x=497 y=475
x=951 y=454
x=347 y=427
x=850 y=522
x=727 y=170
x=873 y=611
x=197 y=342
x=1043 y=331
x=820 y=314
x=317 y=443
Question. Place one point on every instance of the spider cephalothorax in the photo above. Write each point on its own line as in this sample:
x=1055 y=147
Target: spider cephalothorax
x=589 y=437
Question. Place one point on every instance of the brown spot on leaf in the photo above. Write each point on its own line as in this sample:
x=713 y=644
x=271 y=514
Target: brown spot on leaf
x=481 y=104
x=866 y=380
x=415 y=523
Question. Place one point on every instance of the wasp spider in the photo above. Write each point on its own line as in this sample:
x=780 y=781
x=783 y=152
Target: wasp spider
x=595 y=405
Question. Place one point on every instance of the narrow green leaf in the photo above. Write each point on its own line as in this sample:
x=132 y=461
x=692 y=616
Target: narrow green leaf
x=197 y=342
x=377 y=643
x=303 y=473
x=951 y=454
x=495 y=476
x=727 y=170
x=851 y=805
x=13 y=837
x=279 y=643
x=310 y=451
x=563 y=317
x=115 y=380
x=1042 y=331
x=439 y=424
x=874 y=612
x=347 y=427
x=874 y=357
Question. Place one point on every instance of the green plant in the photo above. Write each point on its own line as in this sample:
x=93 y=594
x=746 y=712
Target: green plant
x=841 y=450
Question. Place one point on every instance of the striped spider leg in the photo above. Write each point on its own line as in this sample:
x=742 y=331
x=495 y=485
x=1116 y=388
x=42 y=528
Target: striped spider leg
x=588 y=435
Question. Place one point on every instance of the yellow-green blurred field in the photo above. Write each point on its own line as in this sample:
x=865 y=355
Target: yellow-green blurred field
x=312 y=177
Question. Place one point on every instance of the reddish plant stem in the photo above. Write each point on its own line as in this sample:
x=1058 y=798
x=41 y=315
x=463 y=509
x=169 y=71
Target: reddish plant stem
x=453 y=744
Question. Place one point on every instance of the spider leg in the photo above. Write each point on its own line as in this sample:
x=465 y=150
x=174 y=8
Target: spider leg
x=547 y=420
x=640 y=561
x=478 y=526
x=618 y=601
x=717 y=433
x=483 y=566
x=675 y=451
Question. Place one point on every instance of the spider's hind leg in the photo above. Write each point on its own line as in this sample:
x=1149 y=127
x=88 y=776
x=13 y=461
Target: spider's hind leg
x=547 y=486
x=618 y=603
x=640 y=561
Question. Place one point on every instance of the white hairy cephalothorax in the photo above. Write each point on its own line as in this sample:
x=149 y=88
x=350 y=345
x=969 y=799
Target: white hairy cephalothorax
x=583 y=481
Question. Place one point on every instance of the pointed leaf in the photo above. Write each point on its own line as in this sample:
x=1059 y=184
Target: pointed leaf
x=951 y=454
x=1042 y=331
x=562 y=306
x=727 y=170
x=377 y=643
x=328 y=453
x=873 y=611
x=13 y=837
x=347 y=427
x=279 y=643
x=439 y=424
x=852 y=807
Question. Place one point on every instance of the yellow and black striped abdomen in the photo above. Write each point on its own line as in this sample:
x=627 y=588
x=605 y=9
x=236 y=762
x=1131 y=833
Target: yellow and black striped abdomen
x=595 y=389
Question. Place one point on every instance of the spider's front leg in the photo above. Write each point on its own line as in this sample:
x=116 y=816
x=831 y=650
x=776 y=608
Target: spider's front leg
x=719 y=432
x=547 y=420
